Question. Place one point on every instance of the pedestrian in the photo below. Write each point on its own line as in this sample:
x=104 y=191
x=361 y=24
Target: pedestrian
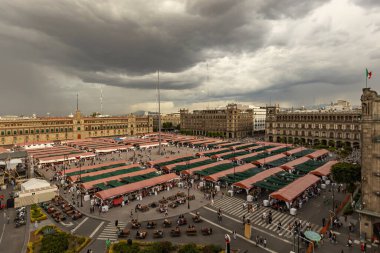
x=243 y=219
x=234 y=234
x=131 y=215
x=257 y=240
x=116 y=223
x=265 y=242
x=323 y=222
x=8 y=219
x=166 y=212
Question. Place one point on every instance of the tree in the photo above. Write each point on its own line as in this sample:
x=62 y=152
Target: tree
x=346 y=173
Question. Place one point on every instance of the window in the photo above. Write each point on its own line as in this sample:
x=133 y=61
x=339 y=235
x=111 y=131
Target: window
x=2 y=133
x=9 y=133
x=47 y=130
x=20 y=131
x=52 y=130
x=32 y=131
x=15 y=132
x=26 y=131
x=78 y=128
x=42 y=131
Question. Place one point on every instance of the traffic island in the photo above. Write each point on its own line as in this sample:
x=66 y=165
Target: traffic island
x=51 y=239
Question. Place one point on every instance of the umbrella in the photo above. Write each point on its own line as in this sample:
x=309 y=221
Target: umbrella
x=313 y=236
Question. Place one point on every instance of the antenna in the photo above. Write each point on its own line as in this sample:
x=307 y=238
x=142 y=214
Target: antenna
x=208 y=89
x=77 y=103
x=101 y=101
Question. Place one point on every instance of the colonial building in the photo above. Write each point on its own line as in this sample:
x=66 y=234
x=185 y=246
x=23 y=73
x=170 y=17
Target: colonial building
x=230 y=122
x=172 y=118
x=370 y=153
x=32 y=130
x=324 y=127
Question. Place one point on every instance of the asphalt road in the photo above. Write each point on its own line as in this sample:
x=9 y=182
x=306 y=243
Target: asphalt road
x=91 y=227
x=11 y=238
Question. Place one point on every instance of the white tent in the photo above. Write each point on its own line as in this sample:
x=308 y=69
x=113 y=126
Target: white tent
x=34 y=183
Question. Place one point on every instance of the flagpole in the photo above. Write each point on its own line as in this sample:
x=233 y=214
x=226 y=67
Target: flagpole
x=366 y=79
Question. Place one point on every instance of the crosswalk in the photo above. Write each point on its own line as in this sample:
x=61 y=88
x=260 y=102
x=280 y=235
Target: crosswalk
x=234 y=206
x=110 y=231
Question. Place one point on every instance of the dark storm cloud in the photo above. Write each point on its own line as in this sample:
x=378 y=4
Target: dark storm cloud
x=144 y=83
x=99 y=41
x=367 y=3
x=58 y=48
x=274 y=9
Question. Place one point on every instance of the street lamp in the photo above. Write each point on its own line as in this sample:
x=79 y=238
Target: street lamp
x=188 y=187
x=80 y=180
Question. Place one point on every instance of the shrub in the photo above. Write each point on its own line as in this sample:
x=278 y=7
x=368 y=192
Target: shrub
x=189 y=248
x=211 y=249
x=54 y=243
x=123 y=247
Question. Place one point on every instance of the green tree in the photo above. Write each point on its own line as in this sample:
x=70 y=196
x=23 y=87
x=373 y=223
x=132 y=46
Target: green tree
x=346 y=173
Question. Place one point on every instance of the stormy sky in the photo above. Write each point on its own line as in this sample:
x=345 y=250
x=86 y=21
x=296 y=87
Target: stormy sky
x=209 y=53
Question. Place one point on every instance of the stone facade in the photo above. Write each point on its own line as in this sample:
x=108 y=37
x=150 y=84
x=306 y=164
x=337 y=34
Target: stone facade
x=22 y=131
x=370 y=137
x=173 y=118
x=335 y=129
x=231 y=122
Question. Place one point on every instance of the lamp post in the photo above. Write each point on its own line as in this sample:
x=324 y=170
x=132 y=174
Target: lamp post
x=188 y=187
x=233 y=163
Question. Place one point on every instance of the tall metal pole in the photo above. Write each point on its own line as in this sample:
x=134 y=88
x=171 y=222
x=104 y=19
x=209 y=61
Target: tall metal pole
x=80 y=181
x=188 y=187
x=159 y=112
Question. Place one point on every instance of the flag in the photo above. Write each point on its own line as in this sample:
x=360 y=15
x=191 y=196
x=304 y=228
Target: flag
x=368 y=74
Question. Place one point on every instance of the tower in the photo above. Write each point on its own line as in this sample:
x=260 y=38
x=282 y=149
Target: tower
x=370 y=143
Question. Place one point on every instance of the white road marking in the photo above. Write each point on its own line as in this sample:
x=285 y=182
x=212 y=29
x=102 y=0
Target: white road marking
x=238 y=235
x=96 y=229
x=256 y=228
x=2 y=233
x=80 y=224
x=67 y=224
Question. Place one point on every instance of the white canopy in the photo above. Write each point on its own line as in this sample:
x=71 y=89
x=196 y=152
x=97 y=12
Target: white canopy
x=34 y=183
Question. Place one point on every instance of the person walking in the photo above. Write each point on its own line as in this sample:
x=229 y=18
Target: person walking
x=265 y=242
x=166 y=213
x=234 y=234
x=116 y=223
x=323 y=222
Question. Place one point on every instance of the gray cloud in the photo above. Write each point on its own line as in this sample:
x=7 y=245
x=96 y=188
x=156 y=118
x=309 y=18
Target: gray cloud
x=53 y=49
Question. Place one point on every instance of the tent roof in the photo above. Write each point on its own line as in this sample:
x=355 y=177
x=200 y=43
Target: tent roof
x=296 y=150
x=215 y=177
x=34 y=183
x=324 y=170
x=211 y=151
x=291 y=164
x=238 y=158
x=294 y=189
x=318 y=153
x=191 y=171
x=171 y=166
x=91 y=184
x=167 y=159
x=247 y=183
x=270 y=159
x=77 y=169
x=110 y=193
x=99 y=172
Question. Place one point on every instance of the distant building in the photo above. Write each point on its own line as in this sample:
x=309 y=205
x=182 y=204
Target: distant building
x=259 y=116
x=171 y=119
x=230 y=122
x=316 y=127
x=370 y=153
x=42 y=129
